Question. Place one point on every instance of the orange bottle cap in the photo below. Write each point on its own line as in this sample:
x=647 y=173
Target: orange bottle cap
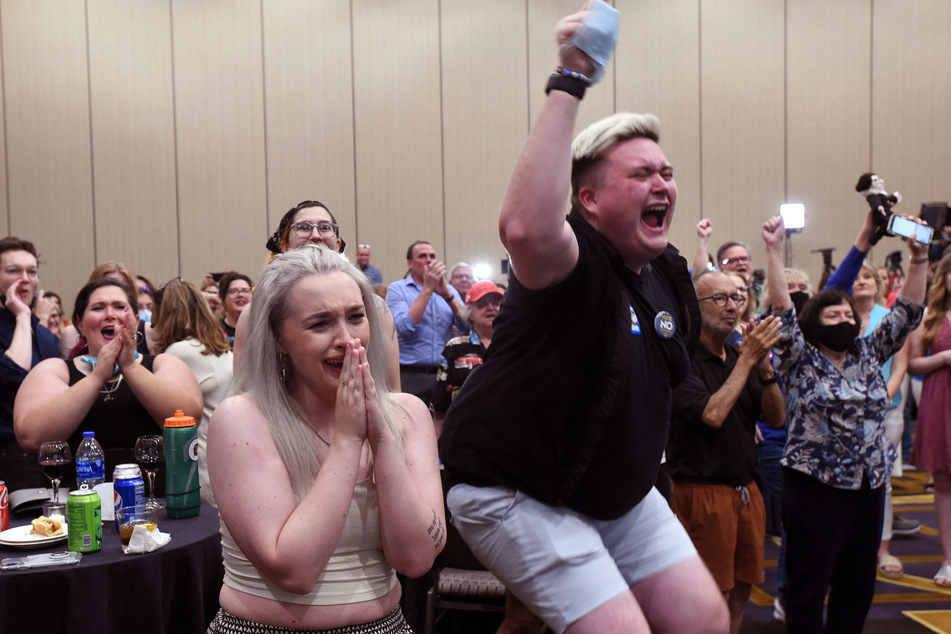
x=179 y=420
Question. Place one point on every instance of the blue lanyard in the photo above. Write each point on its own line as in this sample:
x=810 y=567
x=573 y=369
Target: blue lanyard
x=94 y=360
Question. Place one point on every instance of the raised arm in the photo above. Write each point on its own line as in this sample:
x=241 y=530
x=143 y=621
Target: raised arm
x=843 y=277
x=20 y=350
x=913 y=288
x=774 y=232
x=541 y=246
x=701 y=257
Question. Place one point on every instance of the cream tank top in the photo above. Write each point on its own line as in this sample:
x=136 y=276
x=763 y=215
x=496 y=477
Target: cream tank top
x=357 y=571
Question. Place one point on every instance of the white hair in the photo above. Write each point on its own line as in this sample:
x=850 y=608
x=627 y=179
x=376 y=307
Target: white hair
x=595 y=140
x=259 y=374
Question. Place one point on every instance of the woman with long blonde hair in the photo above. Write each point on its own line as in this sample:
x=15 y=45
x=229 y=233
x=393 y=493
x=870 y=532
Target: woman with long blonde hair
x=326 y=481
x=930 y=355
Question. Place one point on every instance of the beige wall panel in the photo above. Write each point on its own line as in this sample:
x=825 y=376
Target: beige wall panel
x=543 y=17
x=133 y=135
x=742 y=101
x=911 y=93
x=398 y=128
x=309 y=108
x=47 y=125
x=4 y=208
x=828 y=91
x=657 y=65
x=220 y=135
x=485 y=121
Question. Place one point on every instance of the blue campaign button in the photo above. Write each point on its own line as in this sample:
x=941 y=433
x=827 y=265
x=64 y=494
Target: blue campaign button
x=664 y=324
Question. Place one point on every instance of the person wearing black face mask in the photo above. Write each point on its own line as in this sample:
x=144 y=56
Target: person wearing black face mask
x=837 y=457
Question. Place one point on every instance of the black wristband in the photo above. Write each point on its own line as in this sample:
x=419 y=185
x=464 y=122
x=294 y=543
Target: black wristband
x=770 y=380
x=571 y=85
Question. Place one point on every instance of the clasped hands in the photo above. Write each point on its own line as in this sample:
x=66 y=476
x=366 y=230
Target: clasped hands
x=358 y=414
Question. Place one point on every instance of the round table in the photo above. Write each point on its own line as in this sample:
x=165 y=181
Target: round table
x=173 y=589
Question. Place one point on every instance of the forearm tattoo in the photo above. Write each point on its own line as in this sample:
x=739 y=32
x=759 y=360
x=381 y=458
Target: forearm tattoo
x=436 y=530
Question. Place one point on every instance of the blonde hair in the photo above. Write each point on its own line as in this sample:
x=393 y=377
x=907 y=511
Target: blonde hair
x=937 y=301
x=259 y=375
x=867 y=266
x=749 y=310
x=791 y=274
x=111 y=266
x=592 y=143
x=182 y=313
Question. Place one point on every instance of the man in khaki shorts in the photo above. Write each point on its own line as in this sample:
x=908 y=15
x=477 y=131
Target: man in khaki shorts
x=711 y=452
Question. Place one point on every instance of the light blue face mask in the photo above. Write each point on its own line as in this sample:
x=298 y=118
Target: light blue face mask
x=145 y=315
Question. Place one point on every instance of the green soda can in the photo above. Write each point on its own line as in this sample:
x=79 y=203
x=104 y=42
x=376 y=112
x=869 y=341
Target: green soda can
x=84 y=517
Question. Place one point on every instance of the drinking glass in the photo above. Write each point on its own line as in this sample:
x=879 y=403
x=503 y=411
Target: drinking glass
x=54 y=458
x=150 y=453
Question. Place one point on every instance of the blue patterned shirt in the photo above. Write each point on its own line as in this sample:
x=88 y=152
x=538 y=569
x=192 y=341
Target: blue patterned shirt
x=834 y=416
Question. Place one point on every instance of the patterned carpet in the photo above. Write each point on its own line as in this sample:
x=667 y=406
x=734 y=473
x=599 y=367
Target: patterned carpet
x=913 y=604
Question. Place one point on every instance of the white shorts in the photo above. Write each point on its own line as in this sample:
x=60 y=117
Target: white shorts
x=558 y=562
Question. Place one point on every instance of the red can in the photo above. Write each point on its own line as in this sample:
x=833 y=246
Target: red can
x=4 y=507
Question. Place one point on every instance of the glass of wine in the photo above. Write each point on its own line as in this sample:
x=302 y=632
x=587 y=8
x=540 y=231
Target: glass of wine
x=54 y=457
x=150 y=453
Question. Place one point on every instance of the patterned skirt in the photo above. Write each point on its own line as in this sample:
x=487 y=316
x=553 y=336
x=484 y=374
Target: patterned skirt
x=227 y=623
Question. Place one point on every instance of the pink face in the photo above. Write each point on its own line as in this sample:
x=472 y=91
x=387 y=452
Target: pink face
x=485 y=310
x=736 y=258
x=363 y=257
x=634 y=205
x=836 y=314
x=19 y=267
x=237 y=297
x=423 y=256
x=716 y=319
x=312 y=215
x=107 y=312
x=864 y=285
x=324 y=313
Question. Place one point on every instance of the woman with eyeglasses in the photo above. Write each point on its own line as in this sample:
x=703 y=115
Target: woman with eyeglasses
x=108 y=387
x=837 y=457
x=234 y=289
x=311 y=222
x=184 y=327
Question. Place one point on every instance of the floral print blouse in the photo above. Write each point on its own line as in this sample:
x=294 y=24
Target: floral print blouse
x=834 y=429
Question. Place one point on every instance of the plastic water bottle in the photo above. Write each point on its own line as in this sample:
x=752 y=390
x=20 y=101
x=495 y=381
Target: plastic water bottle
x=182 y=494
x=90 y=461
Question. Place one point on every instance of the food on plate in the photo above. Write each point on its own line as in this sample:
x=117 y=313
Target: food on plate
x=46 y=526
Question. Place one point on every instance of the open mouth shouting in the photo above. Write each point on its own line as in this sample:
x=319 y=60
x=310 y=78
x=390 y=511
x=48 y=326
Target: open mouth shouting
x=654 y=215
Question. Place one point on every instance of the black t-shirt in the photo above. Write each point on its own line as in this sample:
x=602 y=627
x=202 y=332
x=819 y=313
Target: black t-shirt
x=572 y=402
x=726 y=455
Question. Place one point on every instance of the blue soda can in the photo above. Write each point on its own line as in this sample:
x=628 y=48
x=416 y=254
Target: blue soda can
x=128 y=487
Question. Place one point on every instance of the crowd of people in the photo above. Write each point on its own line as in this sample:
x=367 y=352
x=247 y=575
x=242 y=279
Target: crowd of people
x=612 y=432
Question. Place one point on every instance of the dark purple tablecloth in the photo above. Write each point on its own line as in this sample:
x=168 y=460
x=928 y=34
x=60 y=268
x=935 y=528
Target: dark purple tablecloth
x=174 y=589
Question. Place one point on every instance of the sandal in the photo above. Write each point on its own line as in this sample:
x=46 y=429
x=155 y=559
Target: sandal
x=943 y=578
x=889 y=566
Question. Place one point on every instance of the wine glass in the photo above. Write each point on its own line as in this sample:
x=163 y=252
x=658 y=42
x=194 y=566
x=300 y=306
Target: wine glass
x=54 y=456
x=150 y=453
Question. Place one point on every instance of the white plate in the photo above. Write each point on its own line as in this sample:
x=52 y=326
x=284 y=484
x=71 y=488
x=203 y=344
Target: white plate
x=20 y=537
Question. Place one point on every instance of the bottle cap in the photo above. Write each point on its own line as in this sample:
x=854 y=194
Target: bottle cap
x=89 y=434
x=179 y=420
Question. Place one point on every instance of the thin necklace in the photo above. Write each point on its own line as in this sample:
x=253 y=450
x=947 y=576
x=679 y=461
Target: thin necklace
x=108 y=392
x=307 y=425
